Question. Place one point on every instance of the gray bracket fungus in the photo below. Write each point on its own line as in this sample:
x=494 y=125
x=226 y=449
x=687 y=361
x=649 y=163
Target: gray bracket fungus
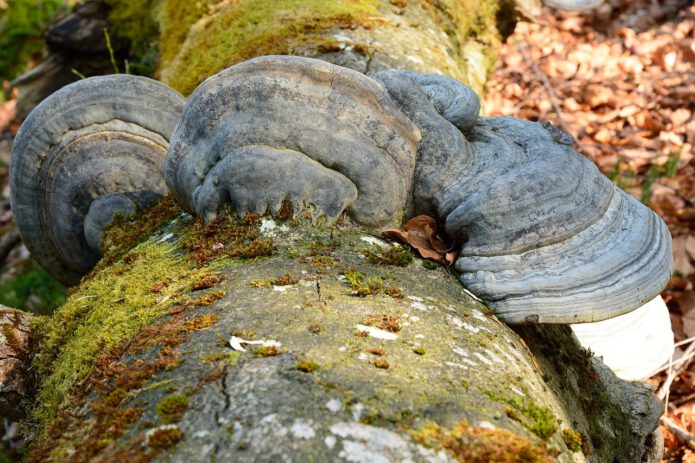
x=545 y=237
x=91 y=150
x=323 y=113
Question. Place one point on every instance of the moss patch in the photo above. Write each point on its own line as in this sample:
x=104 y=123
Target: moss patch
x=165 y=438
x=307 y=366
x=226 y=236
x=171 y=408
x=137 y=22
x=466 y=22
x=481 y=445
x=539 y=420
x=236 y=31
x=104 y=311
x=125 y=232
x=364 y=286
x=573 y=439
x=396 y=256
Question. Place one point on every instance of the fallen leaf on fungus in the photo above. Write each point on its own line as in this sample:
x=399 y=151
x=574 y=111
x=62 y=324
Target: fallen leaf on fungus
x=421 y=233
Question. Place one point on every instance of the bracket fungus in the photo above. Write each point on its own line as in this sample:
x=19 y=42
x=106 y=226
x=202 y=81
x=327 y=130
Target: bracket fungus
x=286 y=128
x=544 y=237
x=90 y=151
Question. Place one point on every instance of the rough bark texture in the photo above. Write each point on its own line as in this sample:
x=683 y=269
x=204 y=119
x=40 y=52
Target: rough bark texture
x=435 y=377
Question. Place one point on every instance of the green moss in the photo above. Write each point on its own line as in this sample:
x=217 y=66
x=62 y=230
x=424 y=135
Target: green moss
x=125 y=232
x=572 y=439
x=176 y=18
x=396 y=256
x=380 y=363
x=240 y=239
x=99 y=316
x=430 y=264
x=21 y=27
x=480 y=445
x=115 y=397
x=468 y=24
x=539 y=420
x=171 y=408
x=164 y=438
x=236 y=31
x=364 y=286
x=32 y=289
x=307 y=366
x=267 y=351
x=230 y=357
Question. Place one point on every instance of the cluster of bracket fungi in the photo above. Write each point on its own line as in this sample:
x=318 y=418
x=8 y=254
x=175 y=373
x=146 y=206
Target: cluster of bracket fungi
x=544 y=237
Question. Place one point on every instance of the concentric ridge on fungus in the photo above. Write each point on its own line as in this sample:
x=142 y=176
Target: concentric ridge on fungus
x=286 y=128
x=91 y=150
x=545 y=237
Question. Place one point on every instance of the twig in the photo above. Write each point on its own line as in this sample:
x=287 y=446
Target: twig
x=680 y=433
x=78 y=73
x=111 y=53
x=664 y=367
x=684 y=400
x=682 y=363
x=684 y=341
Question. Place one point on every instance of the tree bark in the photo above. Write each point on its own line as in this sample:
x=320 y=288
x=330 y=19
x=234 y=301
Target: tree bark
x=415 y=370
x=138 y=365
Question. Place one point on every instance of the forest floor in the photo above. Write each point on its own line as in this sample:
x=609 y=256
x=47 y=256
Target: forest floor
x=622 y=81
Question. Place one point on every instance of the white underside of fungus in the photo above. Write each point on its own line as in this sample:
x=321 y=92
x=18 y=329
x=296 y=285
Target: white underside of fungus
x=633 y=345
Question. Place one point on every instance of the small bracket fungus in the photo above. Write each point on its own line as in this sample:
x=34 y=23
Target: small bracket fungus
x=574 y=5
x=90 y=151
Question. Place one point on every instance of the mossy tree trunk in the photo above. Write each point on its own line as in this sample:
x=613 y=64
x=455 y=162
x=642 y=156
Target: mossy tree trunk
x=361 y=361
x=451 y=37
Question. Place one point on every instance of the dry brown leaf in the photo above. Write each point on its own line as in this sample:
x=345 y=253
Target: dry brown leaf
x=686 y=304
x=421 y=233
x=690 y=246
x=681 y=260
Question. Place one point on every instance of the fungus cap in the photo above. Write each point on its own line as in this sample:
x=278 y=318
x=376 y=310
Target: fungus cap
x=304 y=130
x=91 y=150
x=548 y=238
x=544 y=236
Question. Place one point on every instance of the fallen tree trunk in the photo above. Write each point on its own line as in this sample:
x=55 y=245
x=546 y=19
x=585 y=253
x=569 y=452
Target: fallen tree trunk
x=361 y=361
x=358 y=360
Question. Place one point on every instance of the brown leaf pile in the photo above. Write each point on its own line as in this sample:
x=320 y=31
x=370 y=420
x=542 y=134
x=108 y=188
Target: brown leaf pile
x=622 y=81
